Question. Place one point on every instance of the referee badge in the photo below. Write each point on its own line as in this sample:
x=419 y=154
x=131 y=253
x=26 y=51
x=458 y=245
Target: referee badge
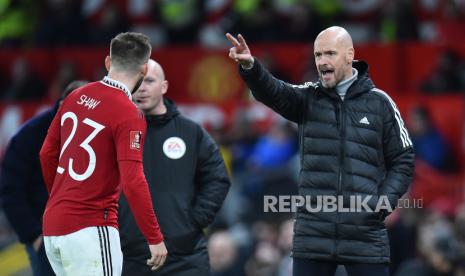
x=174 y=148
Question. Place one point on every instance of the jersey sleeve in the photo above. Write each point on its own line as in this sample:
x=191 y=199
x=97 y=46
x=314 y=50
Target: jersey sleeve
x=129 y=138
x=50 y=152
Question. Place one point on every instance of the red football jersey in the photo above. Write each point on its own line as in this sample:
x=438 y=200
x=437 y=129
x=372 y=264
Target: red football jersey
x=95 y=131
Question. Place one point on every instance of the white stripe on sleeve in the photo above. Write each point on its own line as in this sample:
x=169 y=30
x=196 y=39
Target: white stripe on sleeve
x=404 y=136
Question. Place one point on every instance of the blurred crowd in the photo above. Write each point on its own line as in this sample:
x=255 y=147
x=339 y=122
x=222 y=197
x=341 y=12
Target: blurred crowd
x=21 y=82
x=449 y=75
x=244 y=240
x=26 y=24
x=83 y=22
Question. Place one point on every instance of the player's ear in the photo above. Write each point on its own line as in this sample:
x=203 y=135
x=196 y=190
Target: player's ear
x=145 y=68
x=164 y=87
x=107 y=63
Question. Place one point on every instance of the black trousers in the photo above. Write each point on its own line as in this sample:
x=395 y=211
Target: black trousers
x=308 y=267
x=196 y=264
x=39 y=261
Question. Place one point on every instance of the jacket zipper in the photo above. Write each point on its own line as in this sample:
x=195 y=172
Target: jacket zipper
x=342 y=130
x=341 y=154
x=301 y=137
x=301 y=132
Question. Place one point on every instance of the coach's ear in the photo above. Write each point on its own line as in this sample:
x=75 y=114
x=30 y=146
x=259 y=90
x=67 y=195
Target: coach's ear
x=107 y=63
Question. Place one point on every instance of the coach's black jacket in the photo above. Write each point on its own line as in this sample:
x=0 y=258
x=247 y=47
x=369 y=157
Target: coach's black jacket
x=358 y=146
x=186 y=192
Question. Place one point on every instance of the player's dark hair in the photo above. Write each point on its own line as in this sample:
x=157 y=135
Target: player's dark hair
x=129 y=51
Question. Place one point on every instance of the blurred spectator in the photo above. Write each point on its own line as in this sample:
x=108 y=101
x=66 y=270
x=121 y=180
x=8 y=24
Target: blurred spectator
x=211 y=33
x=438 y=248
x=429 y=144
x=253 y=19
x=265 y=260
x=296 y=21
x=224 y=255
x=449 y=76
x=111 y=23
x=398 y=22
x=310 y=72
x=66 y=73
x=329 y=11
x=272 y=249
x=450 y=26
x=72 y=22
x=275 y=148
x=359 y=8
x=285 y=246
x=268 y=169
x=99 y=73
x=242 y=138
x=17 y=20
x=181 y=19
x=66 y=22
x=402 y=230
x=62 y=24
x=270 y=62
x=24 y=83
x=459 y=230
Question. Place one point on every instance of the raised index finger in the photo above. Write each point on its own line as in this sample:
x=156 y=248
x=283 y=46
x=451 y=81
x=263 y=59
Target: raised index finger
x=233 y=40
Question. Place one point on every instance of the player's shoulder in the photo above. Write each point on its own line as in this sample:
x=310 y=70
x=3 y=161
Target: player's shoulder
x=124 y=110
x=106 y=100
x=100 y=90
x=92 y=89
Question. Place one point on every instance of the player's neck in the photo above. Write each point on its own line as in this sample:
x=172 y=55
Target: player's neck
x=129 y=81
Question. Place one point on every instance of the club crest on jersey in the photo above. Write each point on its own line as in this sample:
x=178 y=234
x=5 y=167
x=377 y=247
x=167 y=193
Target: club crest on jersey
x=135 y=139
x=174 y=148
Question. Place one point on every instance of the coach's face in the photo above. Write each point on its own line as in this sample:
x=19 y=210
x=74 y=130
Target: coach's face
x=150 y=94
x=333 y=58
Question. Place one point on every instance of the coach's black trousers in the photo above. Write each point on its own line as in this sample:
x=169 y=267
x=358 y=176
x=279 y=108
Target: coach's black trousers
x=307 y=267
x=188 y=265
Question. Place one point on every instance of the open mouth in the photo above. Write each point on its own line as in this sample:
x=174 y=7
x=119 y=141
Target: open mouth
x=140 y=100
x=326 y=72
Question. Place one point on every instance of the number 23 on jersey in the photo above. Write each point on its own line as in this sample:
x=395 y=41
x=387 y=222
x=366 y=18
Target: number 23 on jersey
x=85 y=145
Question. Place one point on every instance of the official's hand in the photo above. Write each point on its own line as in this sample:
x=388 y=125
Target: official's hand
x=37 y=243
x=240 y=51
x=159 y=253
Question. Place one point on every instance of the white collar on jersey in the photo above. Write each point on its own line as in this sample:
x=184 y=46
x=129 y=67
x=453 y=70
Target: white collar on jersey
x=117 y=84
